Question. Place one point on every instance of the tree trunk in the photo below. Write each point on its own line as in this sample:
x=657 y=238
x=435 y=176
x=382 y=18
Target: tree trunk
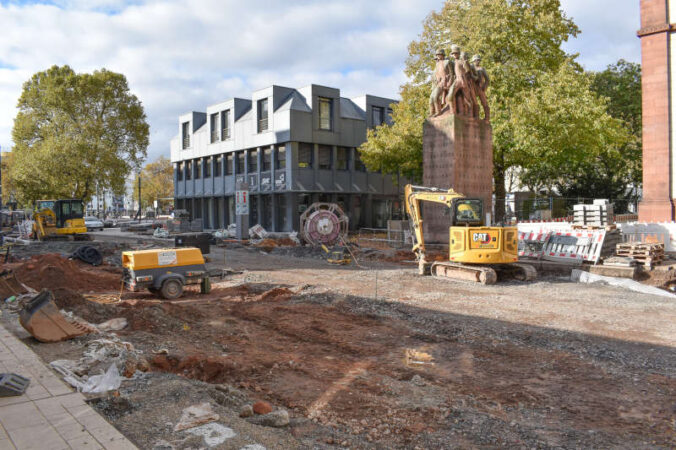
x=500 y=193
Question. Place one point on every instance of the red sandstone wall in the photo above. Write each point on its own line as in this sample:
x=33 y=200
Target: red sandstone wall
x=656 y=204
x=458 y=154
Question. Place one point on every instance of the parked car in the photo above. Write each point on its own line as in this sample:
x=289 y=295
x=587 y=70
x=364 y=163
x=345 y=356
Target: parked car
x=93 y=223
x=110 y=223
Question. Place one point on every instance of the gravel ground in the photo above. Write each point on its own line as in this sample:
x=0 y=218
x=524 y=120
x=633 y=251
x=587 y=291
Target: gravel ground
x=382 y=358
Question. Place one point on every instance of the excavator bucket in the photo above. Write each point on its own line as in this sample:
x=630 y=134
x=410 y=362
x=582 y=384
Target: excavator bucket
x=42 y=319
x=9 y=285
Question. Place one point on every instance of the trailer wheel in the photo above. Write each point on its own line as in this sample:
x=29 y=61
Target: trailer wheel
x=171 y=289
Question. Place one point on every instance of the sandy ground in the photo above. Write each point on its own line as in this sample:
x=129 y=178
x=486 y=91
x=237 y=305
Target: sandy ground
x=378 y=357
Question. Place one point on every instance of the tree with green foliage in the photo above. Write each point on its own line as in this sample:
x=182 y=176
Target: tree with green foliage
x=565 y=138
x=621 y=176
x=157 y=181
x=74 y=131
x=520 y=43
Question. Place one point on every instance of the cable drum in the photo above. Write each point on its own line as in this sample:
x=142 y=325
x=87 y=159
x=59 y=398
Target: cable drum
x=323 y=223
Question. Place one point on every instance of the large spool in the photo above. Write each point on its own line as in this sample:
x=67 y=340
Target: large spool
x=323 y=223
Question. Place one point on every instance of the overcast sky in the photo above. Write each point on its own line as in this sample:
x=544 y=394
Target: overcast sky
x=181 y=55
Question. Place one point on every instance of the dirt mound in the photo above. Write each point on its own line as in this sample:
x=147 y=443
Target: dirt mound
x=90 y=311
x=52 y=271
x=272 y=243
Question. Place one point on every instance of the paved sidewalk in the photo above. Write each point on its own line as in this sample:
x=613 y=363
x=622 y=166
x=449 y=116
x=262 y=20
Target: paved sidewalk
x=49 y=415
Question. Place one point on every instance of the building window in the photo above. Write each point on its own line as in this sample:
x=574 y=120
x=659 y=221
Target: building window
x=325 y=113
x=389 y=115
x=280 y=155
x=198 y=169
x=213 y=126
x=227 y=164
x=325 y=155
x=358 y=164
x=217 y=165
x=253 y=209
x=262 y=115
x=281 y=213
x=185 y=134
x=179 y=171
x=253 y=161
x=225 y=125
x=378 y=115
x=207 y=167
x=305 y=154
x=343 y=158
x=266 y=159
x=240 y=163
x=188 y=170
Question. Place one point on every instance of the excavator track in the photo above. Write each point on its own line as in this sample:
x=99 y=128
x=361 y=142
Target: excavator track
x=464 y=272
x=484 y=274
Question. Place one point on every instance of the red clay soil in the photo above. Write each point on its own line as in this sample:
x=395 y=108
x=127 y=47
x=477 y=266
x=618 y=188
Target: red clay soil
x=324 y=362
x=52 y=271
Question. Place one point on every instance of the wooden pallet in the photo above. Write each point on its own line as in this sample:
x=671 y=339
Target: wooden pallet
x=640 y=246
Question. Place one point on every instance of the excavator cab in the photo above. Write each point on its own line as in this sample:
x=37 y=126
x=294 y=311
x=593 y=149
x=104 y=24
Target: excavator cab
x=467 y=211
x=59 y=218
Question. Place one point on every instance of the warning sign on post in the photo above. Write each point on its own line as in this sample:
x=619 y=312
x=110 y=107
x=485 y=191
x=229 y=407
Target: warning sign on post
x=166 y=258
x=242 y=203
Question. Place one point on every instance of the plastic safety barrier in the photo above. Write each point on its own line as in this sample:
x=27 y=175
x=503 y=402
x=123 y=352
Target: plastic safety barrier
x=531 y=244
x=562 y=246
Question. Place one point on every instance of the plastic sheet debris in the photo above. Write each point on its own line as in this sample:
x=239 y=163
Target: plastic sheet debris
x=214 y=433
x=257 y=231
x=98 y=384
x=586 y=277
x=105 y=349
x=95 y=384
x=196 y=415
x=161 y=233
x=116 y=324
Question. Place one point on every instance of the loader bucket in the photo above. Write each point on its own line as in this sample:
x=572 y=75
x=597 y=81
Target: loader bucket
x=42 y=319
x=9 y=285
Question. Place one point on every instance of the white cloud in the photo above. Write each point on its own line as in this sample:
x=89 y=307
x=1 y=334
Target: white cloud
x=180 y=56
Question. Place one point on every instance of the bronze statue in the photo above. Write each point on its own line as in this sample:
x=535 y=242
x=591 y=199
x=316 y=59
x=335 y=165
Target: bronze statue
x=481 y=82
x=442 y=82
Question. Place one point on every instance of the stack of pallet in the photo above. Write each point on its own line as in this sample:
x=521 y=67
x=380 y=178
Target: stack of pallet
x=599 y=214
x=648 y=255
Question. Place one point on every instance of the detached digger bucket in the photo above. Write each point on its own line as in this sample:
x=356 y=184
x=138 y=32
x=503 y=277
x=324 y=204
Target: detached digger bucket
x=42 y=319
x=9 y=285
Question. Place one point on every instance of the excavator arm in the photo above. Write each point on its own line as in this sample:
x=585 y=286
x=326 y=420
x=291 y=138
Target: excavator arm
x=413 y=196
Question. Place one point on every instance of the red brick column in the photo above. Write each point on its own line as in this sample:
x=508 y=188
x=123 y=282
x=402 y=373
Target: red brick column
x=657 y=204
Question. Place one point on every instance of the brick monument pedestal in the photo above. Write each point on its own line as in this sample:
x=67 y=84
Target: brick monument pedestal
x=458 y=154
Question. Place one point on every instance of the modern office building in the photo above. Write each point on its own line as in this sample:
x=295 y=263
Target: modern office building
x=293 y=147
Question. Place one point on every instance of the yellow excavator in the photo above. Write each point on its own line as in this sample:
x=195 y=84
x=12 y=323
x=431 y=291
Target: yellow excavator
x=59 y=219
x=477 y=252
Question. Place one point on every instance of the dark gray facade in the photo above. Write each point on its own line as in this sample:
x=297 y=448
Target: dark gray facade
x=293 y=148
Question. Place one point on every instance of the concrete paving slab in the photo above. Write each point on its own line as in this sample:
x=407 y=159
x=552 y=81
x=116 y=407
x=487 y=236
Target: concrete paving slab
x=49 y=415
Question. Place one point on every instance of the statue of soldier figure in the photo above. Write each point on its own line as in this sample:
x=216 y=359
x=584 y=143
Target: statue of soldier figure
x=481 y=83
x=459 y=97
x=442 y=81
x=457 y=84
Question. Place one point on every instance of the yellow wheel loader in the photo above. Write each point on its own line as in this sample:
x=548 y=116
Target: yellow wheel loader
x=59 y=219
x=476 y=252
